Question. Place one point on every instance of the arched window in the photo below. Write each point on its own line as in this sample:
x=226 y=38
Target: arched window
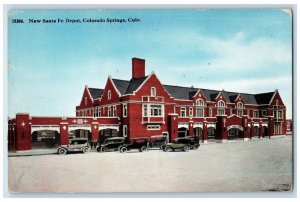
x=109 y=94
x=221 y=106
x=240 y=107
x=199 y=108
x=199 y=102
x=153 y=91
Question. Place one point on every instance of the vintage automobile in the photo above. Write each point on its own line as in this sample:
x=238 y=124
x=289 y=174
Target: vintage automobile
x=113 y=143
x=157 y=141
x=74 y=144
x=195 y=142
x=182 y=144
x=140 y=144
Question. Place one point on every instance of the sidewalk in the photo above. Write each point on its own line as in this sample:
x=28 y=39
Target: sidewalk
x=35 y=152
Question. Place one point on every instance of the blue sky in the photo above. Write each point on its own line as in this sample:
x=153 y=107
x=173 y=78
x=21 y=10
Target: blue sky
x=246 y=51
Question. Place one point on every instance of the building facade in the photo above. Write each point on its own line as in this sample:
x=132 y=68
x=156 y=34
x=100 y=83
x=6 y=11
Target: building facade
x=143 y=107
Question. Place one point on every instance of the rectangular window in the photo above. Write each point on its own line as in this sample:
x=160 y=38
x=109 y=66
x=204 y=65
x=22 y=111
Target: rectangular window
x=240 y=112
x=155 y=110
x=96 y=112
x=145 y=110
x=115 y=111
x=85 y=100
x=109 y=111
x=199 y=112
x=221 y=111
x=191 y=111
x=264 y=112
x=125 y=110
x=255 y=114
x=99 y=111
x=124 y=130
x=182 y=112
x=288 y=127
x=153 y=127
x=210 y=112
x=248 y=112
x=230 y=111
x=280 y=114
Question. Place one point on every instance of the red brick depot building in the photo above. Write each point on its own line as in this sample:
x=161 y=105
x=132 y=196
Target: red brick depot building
x=144 y=107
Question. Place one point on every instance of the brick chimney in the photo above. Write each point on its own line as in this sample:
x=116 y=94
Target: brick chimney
x=138 y=68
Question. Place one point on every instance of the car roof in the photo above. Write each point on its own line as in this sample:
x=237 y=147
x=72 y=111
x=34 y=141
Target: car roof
x=139 y=138
x=78 y=139
x=114 y=138
x=155 y=136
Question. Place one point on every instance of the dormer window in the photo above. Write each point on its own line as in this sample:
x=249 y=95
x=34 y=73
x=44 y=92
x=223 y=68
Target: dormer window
x=109 y=95
x=85 y=100
x=153 y=91
x=221 y=106
x=240 y=109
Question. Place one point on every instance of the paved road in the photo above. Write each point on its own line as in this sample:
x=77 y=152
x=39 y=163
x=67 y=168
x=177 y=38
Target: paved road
x=260 y=165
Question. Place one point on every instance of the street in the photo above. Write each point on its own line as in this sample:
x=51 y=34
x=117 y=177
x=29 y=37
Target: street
x=252 y=166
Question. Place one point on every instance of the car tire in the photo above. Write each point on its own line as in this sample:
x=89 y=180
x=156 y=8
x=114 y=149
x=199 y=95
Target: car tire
x=103 y=149
x=86 y=150
x=186 y=148
x=123 y=150
x=143 y=149
x=119 y=148
x=167 y=149
x=62 y=151
x=98 y=149
x=196 y=146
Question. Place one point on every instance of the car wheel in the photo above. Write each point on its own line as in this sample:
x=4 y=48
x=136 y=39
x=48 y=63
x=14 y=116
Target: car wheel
x=123 y=150
x=143 y=149
x=86 y=149
x=186 y=148
x=62 y=151
x=196 y=146
x=119 y=148
x=103 y=149
x=98 y=149
x=167 y=149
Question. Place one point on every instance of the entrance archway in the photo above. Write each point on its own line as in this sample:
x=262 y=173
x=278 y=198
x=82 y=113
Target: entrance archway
x=42 y=139
x=211 y=133
x=234 y=133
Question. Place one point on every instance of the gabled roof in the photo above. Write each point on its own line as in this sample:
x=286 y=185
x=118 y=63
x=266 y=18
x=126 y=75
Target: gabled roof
x=264 y=98
x=96 y=92
x=127 y=87
x=187 y=93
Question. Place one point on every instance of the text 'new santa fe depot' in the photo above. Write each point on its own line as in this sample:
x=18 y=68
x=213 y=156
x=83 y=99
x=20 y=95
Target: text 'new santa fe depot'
x=144 y=107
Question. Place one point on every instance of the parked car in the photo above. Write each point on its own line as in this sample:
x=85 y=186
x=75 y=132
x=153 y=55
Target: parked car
x=135 y=143
x=182 y=144
x=195 y=142
x=113 y=143
x=74 y=144
x=157 y=141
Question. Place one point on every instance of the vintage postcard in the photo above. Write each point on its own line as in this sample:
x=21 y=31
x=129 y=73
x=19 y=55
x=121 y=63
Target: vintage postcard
x=181 y=100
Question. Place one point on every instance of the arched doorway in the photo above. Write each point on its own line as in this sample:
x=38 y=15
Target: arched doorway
x=211 y=134
x=198 y=131
x=107 y=133
x=42 y=139
x=235 y=133
x=183 y=132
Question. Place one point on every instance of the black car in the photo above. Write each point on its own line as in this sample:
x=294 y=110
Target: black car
x=195 y=142
x=113 y=143
x=182 y=144
x=157 y=141
x=74 y=144
x=140 y=144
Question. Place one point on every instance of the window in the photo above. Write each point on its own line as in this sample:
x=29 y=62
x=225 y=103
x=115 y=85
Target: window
x=199 y=102
x=109 y=111
x=109 y=94
x=115 y=111
x=239 y=105
x=153 y=91
x=221 y=106
x=124 y=130
x=255 y=114
x=264 y=112
x=277 y=103
x=153 y=127
x=231 y=112
x=85 y=100
x=155 y=110
x=182 y=112
x=240 y=112
x=191 y=111
x=145 y=110
x=248 y=112
x=279 y=114
x=125 y=110
x=199 y=112
x=94 y=112
x=210 y=112
x=99 y=111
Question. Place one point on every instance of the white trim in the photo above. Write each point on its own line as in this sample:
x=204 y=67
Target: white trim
x=45 y=127
x=125 y=129
x=108 y=126
x=183 y=125
x=276 y=91
x=198 y=125
x=213 y=125
x=89 y=93
x=110 y=78
x=153 y=127
x=264 y=124
x=148 y=77
x=78 y=127
x=256 y=124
